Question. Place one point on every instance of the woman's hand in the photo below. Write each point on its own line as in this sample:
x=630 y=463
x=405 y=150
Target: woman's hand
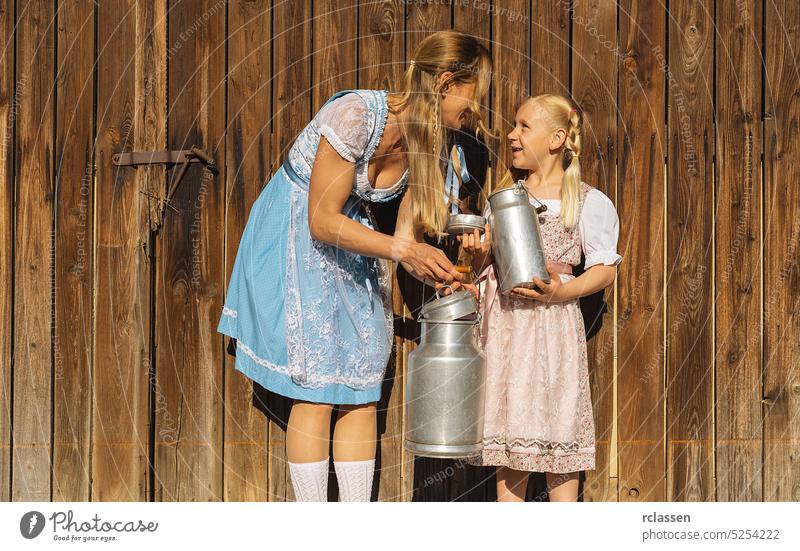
x=548 y=292
x=427 y=262
x=456 y=286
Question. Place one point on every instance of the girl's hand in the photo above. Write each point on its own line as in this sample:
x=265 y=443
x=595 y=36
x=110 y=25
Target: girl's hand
x=547 y=293
x=471 y=242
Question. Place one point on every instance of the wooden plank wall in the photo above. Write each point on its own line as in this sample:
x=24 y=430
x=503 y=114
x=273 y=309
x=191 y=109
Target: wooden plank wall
x=594 y=86
x=114 y=384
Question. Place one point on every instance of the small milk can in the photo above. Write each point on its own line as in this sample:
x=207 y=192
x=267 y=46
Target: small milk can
x=517 y=245
x=445 y=383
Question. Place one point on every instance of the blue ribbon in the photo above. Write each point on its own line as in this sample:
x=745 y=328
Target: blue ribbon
x=451 y=182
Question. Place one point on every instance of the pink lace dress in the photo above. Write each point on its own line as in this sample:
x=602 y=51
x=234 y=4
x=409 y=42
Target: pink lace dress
x=538 y=414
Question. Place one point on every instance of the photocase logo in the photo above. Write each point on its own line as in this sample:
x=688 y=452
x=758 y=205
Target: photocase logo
x=31 y=524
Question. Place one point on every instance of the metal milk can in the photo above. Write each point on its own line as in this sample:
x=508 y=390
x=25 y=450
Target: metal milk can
x=445 y=382
x=517 y=245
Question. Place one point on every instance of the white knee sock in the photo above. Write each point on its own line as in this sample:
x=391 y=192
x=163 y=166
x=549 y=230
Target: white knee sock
x=355 y=479
x=310 y=480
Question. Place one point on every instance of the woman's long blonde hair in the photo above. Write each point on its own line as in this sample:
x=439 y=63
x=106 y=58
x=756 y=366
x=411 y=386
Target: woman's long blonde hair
x=424 y=135
x=562 y=113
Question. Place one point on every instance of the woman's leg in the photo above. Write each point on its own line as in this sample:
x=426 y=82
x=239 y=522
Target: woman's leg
x=511 y=484
x=562 y=486
x=308 y=433
x=307 y=443
x=354 y=446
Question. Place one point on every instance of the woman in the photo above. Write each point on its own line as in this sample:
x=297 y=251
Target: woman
x=308 y=301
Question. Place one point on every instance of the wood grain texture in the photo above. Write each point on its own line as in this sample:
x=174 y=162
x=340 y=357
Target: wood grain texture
x=381 y=43
x=550 y=47
x=335 y=59
x=472 y=19
x=72 y=405
x=595 y=70
x=123 y=290
x=470 y=483
x=113 y=378
x=640 y=204
x=382 y=46
x=291 y=111
x=189 y=272
x=781 y=294
x=8 y=97
x=34 y=259
x=421 y=20
x=690 y=337
x=511 y=56
x=247 y=149
x=737 y=274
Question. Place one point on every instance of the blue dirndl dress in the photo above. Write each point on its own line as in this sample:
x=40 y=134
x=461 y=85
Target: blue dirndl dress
x=312 y=321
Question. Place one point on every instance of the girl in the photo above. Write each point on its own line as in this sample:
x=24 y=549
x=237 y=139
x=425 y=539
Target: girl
x=308 y=300
x=538 y=413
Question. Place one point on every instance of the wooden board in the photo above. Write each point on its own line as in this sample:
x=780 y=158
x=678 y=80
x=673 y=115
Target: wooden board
x=189 y=272
x=128 y=95
x=422 y=19
x=34 y=259
x=334 y=68
x=381 y=64
x=335 y=59
x=594 y=87
x=512 y=77
x=247 y=149
x=381 y=44
x=737 y=271
x=781 y=231
x=7 y=116
x=291 y=111
x=470 y=483
x=690 y=337
x=74 y=152
x=550 y=47
x=640 y=204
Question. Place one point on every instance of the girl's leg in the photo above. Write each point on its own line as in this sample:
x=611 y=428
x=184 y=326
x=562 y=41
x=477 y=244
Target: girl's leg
x=511 y=484
x=562 y=486
x=307 y=442
x=354 y=445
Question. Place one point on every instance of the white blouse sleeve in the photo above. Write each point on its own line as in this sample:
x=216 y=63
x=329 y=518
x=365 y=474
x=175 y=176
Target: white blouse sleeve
x=599 y=229
x=344 y=123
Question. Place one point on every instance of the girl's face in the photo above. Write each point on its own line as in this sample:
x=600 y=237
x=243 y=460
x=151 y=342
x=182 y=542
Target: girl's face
x=455 y=104
x=533 y=138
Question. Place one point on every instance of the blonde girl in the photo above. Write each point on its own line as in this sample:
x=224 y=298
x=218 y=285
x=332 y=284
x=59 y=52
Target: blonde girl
x=538 y=413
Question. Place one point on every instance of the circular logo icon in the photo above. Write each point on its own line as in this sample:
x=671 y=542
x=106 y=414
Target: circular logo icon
x=31 y=524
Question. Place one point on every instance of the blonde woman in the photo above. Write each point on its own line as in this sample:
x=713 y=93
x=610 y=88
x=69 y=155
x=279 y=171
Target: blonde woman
x=308 y=301
x=538 y=414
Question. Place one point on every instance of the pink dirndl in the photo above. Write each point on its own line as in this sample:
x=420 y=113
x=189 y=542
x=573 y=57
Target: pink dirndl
x=538 y=413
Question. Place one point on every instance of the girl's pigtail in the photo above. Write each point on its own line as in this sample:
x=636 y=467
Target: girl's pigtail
x=570 y=190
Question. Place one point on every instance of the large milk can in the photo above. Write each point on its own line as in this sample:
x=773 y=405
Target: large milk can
x=445 y=381
x=517 y=245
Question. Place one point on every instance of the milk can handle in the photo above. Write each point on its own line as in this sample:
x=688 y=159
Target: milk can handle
x=478 y=319
x=442 y=287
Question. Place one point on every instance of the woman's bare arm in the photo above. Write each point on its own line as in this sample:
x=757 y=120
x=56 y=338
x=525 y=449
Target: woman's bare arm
x=331 y=184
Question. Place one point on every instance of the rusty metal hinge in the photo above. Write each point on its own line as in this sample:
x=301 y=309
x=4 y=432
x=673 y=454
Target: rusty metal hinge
x=184 y=156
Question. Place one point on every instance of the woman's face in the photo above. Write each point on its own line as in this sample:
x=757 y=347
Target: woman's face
x=533 y=138
x=455 y=104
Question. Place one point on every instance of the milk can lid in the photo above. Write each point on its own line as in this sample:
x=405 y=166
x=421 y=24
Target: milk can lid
x=451 y=307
